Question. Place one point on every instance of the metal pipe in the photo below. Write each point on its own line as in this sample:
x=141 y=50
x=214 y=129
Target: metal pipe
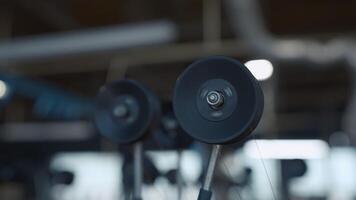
x=211 y=167
x=96 y=40
x=138 y=171
x=179 y=176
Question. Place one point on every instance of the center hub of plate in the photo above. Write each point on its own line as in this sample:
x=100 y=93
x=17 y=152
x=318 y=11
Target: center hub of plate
x=216 y=99
x=125 y=109
x=121 y=111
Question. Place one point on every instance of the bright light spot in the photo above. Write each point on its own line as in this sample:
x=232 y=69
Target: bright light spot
x=286 y=149
x=3 y=89
x=261 y=69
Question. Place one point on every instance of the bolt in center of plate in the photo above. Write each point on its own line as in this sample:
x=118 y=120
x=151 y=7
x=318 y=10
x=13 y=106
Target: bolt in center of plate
x=215 y=99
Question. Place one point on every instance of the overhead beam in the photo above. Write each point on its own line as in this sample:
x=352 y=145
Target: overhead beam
x=88 y=41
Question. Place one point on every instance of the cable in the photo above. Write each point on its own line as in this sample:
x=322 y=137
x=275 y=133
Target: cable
x=265 y=168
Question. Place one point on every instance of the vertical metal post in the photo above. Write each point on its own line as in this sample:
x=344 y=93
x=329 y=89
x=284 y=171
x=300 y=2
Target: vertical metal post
x=211 y=167
x=205 y=192
x=138 y=175
x=179 y=176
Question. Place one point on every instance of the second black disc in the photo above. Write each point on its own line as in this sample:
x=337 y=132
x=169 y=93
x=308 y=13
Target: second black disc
x=126 y=110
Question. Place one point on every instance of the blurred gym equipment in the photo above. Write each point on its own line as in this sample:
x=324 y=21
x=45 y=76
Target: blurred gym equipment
x=64 y=138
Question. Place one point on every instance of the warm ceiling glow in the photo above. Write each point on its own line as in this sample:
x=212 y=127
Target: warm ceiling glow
x=261 y=69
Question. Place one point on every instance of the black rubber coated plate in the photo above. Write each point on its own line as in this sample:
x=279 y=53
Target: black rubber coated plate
x=238 y=122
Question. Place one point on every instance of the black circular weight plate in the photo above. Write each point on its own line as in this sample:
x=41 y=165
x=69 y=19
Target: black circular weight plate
x=126 y=110
x=240 y=111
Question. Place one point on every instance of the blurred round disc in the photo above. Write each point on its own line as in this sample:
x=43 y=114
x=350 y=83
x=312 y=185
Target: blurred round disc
x=126 y=110
x=218 y=78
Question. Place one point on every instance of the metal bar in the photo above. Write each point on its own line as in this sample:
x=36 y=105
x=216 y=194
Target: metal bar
x=138 y=170
x=81 y=42
x=42 y=132
x=179 y=176
x=211 y=167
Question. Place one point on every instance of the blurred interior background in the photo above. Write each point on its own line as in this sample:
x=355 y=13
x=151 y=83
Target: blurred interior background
x=56 y=54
